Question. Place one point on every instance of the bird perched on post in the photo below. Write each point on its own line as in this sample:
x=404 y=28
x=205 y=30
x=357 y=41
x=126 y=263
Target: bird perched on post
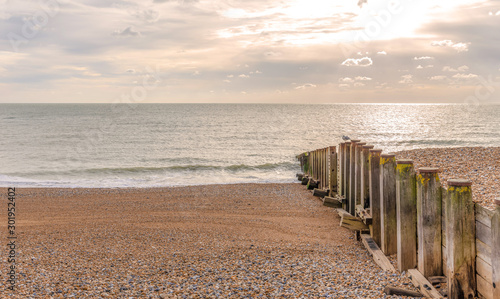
x=344 y=137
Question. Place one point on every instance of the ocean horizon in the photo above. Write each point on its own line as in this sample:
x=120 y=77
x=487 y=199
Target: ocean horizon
x=158 y=145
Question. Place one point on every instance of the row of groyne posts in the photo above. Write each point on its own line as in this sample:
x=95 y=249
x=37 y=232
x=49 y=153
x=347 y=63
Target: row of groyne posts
x=440 y=236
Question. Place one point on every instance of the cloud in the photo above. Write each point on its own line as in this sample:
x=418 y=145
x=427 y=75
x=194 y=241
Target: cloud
x=464 y=76
x=346 y=80
x=359 y=78
x=243 y=76
x=382 y=53
x=126 y=32
x=305 y=86
x=362 y=2
x=359 y=84
x=460 y=69
x=423 y=58
x=148 y=15
x=420 y=67
x=406 y=79
x=438 y=78
x=459 y=47
x=365 y=61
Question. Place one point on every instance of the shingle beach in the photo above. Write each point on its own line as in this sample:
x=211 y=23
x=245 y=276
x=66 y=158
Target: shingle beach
x=215 y=241
x=481 y=165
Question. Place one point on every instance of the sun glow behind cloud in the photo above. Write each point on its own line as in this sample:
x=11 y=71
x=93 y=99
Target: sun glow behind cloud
x=300 y=48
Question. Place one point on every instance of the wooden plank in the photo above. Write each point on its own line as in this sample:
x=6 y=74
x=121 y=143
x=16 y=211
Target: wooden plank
x=365 y=176
x=484 y=269
x=364 y=215
x=429 y=220
x=332 y=202
x=377 y=254
x=374 y=178
x=401 y=292
x=445 y=260
x=422 y=284
x=352 y=223
x=358 y=165
x=484 y=288
x=495 y=250
x=352 y=177
x=460 y=239
x=483 y=251
x=406 y=213
x=388 y=226
x=483 y=215
x=347 y=174
x=483 y=233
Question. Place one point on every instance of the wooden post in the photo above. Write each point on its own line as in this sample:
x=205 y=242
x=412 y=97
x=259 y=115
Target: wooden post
x=333 y=169
x=374 y=179
x=429 y=219
x=406 y=212
x=341 y=169
x=352 y=177
x=358 y=164
x=365 y=177
x=347 y=172
x=460 y=240
x=495 y=250
x=388 y=228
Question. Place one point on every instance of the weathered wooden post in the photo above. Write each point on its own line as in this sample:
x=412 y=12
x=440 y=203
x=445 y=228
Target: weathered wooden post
x=341 y=169
x=406 y=212
x=333 y=169
x=388 y=228
x=365 y=176
x=460 y=239
x=352 y=177
x=374 y=178
x=429 y=219
x=326 y=168
x=358 y=165
x=495 y=249
x=347 y=172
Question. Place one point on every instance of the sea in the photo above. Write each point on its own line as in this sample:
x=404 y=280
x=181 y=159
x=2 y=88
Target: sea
x=157 y=145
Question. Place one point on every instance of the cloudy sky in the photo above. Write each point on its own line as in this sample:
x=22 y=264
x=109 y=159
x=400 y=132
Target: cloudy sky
x=295 y=51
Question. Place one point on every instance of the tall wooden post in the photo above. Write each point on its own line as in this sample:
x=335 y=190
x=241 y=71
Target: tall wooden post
x=429 y=219
x=365 y=176
x=495 y=249
x=341 y=169
x=460 y=240
x=347 y=178
x=358 y=166
x=374 y=178
x=333 y=169
x=352 y=178
x=388 y=228
x=406 y=212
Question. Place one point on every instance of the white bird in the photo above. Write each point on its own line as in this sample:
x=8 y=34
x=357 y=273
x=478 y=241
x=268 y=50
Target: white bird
x=344 y=137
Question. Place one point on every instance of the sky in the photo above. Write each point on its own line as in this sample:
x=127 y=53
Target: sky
x=244 y=51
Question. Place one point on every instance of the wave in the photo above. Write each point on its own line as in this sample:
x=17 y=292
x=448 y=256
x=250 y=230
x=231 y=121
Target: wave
x=165 y=169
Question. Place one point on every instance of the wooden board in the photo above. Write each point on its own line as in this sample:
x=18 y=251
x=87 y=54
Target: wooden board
x=377 y=254
x=483 y=251
x=484 y=269
x=353 y=223
x=484 y=288
x=483 y=233
x=483 y=215
x=364 y=215
x=422 y=284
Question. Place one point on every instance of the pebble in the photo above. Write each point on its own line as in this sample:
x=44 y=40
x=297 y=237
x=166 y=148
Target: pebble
x=481 y=165
x=146 y=243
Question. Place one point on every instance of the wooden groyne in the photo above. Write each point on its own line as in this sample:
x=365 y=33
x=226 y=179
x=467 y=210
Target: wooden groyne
x=438 y=234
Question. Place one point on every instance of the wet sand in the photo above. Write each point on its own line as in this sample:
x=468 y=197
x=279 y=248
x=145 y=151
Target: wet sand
x=216 y=241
